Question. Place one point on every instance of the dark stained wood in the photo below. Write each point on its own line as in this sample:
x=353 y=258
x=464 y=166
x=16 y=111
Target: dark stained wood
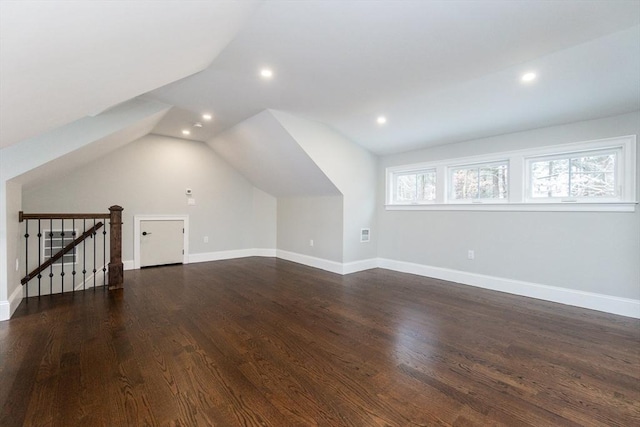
x=22 y=216
x=116 y=267
x=60 y=253
x=266 y=342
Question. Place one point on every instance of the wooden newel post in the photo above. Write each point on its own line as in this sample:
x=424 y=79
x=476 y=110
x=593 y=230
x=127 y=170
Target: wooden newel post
x=116 y=269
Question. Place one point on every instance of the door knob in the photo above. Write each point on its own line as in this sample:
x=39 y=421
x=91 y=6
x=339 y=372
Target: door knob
x=144 y=233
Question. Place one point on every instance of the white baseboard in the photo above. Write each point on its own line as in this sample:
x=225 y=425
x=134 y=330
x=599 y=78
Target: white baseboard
x=327 y=265
x=321 y=263
x=7 y=308
x=15 y=299
x=600 y=302
x=236 y=253
x=88 y=282
x=264 y=252
x=362 y=265
x=607 y=303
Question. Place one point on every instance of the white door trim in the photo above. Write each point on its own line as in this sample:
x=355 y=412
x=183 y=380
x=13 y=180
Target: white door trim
x=136 y=234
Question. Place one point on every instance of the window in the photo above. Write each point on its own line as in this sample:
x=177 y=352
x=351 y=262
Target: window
x=595 y=175
x=485 y=181
x=587 y=175
x=54 y=241
x=415 y=187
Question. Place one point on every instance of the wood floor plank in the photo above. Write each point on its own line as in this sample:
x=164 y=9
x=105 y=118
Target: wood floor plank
x=266 y=342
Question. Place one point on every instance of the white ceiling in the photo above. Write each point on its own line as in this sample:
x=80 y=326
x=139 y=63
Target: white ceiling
x=64 y=60
x=89 y=152
x=271 y=159
x=441 y=71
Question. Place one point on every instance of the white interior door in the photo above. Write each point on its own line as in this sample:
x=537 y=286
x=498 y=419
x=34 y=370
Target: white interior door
x=161 y=242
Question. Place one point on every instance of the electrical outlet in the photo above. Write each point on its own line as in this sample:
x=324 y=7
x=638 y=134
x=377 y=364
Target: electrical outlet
x=311 y=242
x=471 y=254
x=206 y=239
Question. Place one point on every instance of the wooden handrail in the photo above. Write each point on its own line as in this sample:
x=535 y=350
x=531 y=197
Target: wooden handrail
x=60 y=253
x=116 y=267
x=22 y=216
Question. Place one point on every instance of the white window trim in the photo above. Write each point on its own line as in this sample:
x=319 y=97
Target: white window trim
x=518 y=176
x=620 y=178
x=449 y=179
x=393 y=186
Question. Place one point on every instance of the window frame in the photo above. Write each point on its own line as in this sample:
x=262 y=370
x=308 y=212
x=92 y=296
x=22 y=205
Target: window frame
x=619 y=178
x=449 y=182
x=411 y=172
x=519 y=180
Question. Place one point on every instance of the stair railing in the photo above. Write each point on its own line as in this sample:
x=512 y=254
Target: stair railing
x=69 y=248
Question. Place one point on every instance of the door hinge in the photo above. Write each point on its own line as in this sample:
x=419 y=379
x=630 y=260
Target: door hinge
x=183 y=252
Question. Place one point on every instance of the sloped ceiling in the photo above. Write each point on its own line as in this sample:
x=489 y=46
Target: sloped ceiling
x=63 y=60
x=268 y=156
x=440 y=71
x=55 y=153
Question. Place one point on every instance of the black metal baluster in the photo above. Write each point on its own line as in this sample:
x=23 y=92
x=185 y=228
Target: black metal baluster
x=104 y=256
x=73 y=273
x=40 y=249
x=84 y=257
x=94 y=254
x=62 y=259
x=50 y=255
x=26 y=252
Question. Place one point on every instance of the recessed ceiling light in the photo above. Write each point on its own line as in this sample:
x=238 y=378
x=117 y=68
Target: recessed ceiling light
x=186 y=132
x=528 y=77
x=207 y=116
x=266 y=73
x=381 y=120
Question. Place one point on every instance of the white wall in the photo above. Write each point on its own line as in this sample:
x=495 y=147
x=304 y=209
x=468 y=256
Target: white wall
x=271 y=159
x=11 y=295
x=301 y=219
x=61 y=149
x=584 y=251
x=352 y=170
x=592 y=252
x=149 y=176
x=265 y=213
x=14 y=201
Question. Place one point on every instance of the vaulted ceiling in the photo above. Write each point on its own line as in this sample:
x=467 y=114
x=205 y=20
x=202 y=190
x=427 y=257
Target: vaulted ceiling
x=61 y=61
x=440 y=71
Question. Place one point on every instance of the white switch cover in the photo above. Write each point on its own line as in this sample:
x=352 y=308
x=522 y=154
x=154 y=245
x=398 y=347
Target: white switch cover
x=191 y=201
x=206 y=239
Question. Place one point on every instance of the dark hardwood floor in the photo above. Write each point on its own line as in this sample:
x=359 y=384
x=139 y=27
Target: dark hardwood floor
x=266 y=342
